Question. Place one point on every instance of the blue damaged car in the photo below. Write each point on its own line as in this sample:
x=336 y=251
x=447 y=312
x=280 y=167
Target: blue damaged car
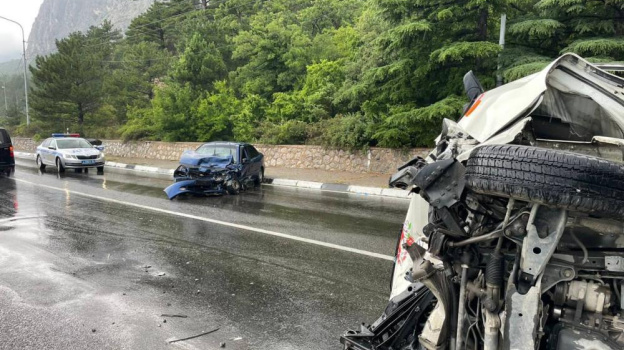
x=217 y=168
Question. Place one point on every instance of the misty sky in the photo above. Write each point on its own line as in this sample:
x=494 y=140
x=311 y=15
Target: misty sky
x=22 y=11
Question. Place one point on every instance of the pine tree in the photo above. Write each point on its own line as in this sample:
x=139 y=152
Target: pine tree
x=67 y=85
x=593 y=29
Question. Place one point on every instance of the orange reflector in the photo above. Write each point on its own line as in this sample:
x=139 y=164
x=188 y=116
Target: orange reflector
x=474 y=105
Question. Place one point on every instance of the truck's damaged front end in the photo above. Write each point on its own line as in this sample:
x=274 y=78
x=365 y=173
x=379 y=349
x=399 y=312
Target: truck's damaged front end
x=201 y=175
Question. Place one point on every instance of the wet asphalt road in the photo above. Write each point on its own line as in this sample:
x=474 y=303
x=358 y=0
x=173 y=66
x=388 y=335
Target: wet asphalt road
x=92 y=262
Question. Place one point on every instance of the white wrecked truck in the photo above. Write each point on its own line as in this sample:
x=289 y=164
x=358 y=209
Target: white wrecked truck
x=514 y=238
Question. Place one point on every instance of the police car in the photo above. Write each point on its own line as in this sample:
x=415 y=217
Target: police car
x=69 y=151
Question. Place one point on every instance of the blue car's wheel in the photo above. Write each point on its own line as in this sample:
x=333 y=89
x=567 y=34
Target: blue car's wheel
x=233 y=186
x=260 y=177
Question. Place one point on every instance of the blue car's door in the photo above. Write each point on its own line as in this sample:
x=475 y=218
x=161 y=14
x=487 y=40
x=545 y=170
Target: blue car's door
x=246 y=165
x=257 y=160
x=252 y=162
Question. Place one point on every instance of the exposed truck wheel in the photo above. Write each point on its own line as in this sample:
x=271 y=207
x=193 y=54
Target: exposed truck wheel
x=556 y=178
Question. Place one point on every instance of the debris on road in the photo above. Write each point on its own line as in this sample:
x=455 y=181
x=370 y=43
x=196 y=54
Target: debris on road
x=161 y=274
x=173 y=315
x=194 y=336
x=237 y=338
x=222 y=345
x=93 y=330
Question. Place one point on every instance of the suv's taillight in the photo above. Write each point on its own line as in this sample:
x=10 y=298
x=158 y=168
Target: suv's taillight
x=11 y=152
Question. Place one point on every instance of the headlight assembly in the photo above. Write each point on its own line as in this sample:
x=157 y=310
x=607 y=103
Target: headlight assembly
x=69 y=156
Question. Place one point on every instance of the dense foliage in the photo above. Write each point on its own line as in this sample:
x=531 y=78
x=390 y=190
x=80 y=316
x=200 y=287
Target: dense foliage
x=342 y=73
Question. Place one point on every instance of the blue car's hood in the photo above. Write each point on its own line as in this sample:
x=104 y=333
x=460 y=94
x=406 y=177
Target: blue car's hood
x=194 y=159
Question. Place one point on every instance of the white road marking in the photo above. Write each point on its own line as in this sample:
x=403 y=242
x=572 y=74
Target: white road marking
x=220 y=222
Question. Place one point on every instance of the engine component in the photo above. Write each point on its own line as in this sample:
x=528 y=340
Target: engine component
x=570 y=339
x=588 y=328
x=436 y=330
x=492 y=331
x=545 y=228
x=522 y=312
x=594 y=297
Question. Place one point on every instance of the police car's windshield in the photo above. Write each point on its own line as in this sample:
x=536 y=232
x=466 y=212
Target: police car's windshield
x=72 y=143
x=218 y=151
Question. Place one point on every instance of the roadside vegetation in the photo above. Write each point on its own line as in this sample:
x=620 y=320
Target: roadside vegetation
x=340 y=73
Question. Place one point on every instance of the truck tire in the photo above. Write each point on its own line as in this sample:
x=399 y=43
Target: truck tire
x=551 y=177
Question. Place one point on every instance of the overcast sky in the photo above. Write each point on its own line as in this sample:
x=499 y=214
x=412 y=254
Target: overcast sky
x=22 y=11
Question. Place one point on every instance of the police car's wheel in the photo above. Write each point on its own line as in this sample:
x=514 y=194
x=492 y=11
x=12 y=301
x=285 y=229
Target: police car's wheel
x=59 y=165
x=40 y=163
x=100 y=170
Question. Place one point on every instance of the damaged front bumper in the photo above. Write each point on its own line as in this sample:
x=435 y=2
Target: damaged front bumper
x=399 y=322
x=197 y=182
x=195 y=186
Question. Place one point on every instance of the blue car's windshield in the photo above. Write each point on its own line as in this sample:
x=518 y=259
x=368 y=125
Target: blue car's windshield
x=72 y=143
x=218 y=151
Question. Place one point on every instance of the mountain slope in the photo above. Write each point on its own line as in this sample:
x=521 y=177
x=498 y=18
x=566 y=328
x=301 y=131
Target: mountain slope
x=11 y=67
x=58 y=18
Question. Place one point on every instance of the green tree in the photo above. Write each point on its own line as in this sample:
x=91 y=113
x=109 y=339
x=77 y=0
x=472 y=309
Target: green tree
x=408 y=73
x=136 y=70
x=593 y=29
x=159 y=24
x=200 y=65
x=67 y=85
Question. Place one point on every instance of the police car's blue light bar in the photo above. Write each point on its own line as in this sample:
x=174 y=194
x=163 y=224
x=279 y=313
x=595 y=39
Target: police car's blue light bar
x=65 y=135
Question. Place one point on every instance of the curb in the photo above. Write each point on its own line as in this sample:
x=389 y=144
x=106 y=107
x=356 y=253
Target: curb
x=167 y=174
x=117 y=168
x=362 y=190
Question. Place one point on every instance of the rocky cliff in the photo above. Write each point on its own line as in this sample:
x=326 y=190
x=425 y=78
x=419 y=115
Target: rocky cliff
x=58 y=18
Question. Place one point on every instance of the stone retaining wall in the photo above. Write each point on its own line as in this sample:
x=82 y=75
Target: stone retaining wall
x=376 y=160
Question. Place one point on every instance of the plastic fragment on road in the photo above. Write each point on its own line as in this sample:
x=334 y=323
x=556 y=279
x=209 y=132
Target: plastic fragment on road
x=194 y=336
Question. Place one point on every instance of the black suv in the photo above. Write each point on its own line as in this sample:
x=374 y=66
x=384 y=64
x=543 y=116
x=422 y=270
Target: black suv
x=7 y=159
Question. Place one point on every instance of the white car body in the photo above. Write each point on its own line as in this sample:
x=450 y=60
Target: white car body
x=570 y=89
x=86 y=156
